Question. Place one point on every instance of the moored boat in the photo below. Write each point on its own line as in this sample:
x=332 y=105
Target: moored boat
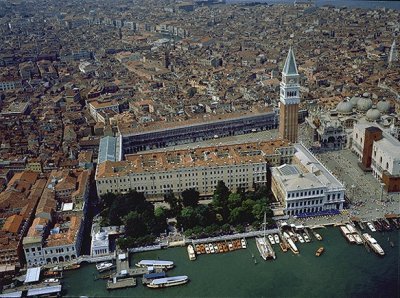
x=72 y=267
x=211 y=248
x=276 y=238
x=300 y=238
x=371 y=227
x=271 y=239
x=244 y=244
x=373 y=244
x=357 y=238
x=216 y=250
x=292 y=246
x=306 y=238
x=104 y=266
x=168 y=281
x=351 y=228
x=156 y=264
x=207 y=248
x=191 y=253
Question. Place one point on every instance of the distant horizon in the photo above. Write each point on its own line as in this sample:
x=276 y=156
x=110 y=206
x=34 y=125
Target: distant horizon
x=367 y=4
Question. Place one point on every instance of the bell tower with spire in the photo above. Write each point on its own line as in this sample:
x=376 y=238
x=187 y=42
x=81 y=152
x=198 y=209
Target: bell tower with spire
x=289 y=100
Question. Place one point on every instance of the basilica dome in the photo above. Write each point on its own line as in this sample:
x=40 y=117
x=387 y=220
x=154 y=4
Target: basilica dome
x=373 y=115
x=344 y=107
x=354 y=100
x=364 y=104
x=383 y=106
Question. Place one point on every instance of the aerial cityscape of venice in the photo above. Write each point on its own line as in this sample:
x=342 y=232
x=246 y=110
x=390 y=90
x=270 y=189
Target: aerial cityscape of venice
x=199 y=148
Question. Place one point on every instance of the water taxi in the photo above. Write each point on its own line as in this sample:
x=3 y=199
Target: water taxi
x=72 y=267
x=216 y=250
x=202 y=248
x=244 y=244
x=156 y=264
x=104 y=266
x=283 y=246
x=198 y=249
x=191 y=253
x=51 y=280
x=207 y=248
x=211 y=248
x=371 y=227
x=319 y=251
x=373 y=244
x=318 y=236
x=168 y=281
x=292 y=246
x=276 y=238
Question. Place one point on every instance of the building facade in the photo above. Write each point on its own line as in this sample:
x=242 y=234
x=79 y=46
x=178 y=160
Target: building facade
x=239 y=165
x=306 y=186
x=171 y=134
x=378 y=151
x=289 y=100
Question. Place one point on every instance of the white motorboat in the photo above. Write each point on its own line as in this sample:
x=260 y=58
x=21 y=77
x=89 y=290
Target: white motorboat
x=371 y=227
x=244 y=244
x=271 y=239
x=104 y=266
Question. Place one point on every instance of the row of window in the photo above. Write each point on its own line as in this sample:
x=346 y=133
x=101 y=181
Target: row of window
x=304 y=203
x=299 y=211
x=333 y=196
x=305 y=193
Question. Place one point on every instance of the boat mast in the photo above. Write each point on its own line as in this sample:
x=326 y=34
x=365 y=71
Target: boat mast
x=265 y=222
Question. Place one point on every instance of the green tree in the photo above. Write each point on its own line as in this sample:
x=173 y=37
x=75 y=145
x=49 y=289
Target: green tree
x=190 y=197
x=187 y=218
x=134 y=225
x=234 y=201
x=237 y=215
x=220 y=200
x=107 y=200
x=174 y=204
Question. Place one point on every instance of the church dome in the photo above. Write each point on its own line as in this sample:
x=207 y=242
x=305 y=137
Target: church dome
x=373 y=114
x=354 y=100
x=364 y=104
x=383 y=106
x=344 y=107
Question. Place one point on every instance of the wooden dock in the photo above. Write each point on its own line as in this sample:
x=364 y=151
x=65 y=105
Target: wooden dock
x=114 y=284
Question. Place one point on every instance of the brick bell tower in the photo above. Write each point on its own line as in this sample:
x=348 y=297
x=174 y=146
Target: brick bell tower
x=289 y=100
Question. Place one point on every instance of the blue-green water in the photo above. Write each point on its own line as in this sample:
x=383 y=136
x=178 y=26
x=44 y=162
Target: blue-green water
x=343 y=270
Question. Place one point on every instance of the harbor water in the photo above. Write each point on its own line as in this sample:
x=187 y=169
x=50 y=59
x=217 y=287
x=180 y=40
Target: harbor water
x=343 y=270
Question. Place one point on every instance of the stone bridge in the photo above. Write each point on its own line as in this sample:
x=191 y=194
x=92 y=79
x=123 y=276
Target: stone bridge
x=90 y=259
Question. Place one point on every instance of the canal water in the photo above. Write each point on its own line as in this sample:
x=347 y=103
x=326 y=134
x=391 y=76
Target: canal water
x=343 y=270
